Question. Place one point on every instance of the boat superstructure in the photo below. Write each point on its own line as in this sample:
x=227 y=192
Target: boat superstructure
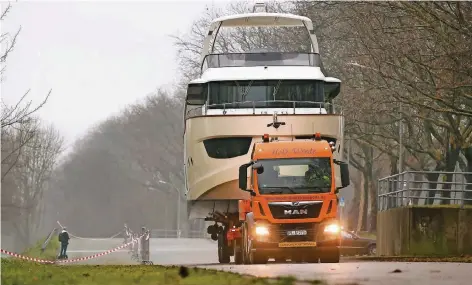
x=241 y=96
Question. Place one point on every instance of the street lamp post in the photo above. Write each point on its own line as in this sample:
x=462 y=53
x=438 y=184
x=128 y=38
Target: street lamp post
x=178 y=204
x=400 y=126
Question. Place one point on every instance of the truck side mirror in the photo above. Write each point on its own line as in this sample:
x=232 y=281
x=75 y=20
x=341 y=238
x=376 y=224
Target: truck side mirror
x=345 y=180
x=243 y=178
x=258 y=167
x=195 y=94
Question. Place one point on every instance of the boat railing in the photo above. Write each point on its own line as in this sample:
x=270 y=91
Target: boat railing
x=260 y=59
x=282 y=107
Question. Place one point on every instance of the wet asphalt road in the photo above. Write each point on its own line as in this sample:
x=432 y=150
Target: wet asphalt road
x=202 y=253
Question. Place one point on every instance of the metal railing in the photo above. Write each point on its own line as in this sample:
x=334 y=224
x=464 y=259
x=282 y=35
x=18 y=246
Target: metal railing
x=167 y=233
x=48 y=239
x=420 y=188
x=140 y=251
x=288 y=107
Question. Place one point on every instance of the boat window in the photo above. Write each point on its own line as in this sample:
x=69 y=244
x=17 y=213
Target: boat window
x=266 y=94
x=227 y=147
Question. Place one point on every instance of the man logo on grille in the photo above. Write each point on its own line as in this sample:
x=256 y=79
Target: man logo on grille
x=295 y=203
x=296 y=212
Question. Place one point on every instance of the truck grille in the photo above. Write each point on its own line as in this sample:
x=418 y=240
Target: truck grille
x=282 y=230
x=287 y=210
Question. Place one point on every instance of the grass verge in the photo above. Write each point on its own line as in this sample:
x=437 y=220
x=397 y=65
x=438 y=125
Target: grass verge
x=50 y=252
x=28 y=273
x=463 y=259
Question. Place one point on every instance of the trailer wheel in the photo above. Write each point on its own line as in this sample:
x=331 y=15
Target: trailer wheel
x=223 y=250
x=331 y=256
x=238 y=252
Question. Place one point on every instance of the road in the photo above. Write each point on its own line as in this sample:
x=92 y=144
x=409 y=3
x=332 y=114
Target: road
x=202 y=253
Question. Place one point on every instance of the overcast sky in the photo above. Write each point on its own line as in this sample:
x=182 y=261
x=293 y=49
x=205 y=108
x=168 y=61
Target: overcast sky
x=97 y=56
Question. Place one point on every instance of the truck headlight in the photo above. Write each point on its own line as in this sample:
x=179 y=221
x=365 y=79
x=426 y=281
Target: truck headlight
x=262 y=230
x=332 y=229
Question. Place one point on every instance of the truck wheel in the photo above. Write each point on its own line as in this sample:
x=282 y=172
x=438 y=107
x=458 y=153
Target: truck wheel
x=244 y=245
x=252 y=257
x=257 y=258
x=330 y=256
x=238 y=252
x=223 y=254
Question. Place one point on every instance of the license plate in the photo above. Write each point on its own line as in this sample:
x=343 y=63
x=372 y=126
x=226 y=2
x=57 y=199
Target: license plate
x=298 y=244
x=297 y=233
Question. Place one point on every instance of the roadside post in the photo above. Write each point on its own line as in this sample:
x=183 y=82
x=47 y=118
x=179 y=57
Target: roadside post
x=145 y=241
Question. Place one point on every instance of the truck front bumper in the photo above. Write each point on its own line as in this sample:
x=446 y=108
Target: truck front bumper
x=288 y=247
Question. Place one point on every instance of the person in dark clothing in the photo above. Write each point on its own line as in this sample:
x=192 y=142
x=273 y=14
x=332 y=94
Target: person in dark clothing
x=64 y=240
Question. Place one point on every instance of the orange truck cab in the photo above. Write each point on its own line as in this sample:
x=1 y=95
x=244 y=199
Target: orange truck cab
x=292 y=212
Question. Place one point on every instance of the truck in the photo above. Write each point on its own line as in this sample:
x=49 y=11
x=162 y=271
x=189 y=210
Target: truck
x=293 y=204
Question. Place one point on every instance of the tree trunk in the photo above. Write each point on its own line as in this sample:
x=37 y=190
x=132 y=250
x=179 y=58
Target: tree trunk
x=432 y=185
x=360 y=217
x=468 y=177
x=370 y=192
x=451 y=160
x=353 y=214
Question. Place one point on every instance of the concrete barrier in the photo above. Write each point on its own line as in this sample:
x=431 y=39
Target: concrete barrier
x=424 y=231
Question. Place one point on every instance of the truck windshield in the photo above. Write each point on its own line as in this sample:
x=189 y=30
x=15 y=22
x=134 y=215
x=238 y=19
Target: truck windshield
x=295 y=175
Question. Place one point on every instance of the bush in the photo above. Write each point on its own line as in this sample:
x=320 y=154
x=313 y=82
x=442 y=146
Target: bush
x=50 y=252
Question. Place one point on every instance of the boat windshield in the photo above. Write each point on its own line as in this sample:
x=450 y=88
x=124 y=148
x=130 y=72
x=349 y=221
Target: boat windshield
x=266 y=94
x=295 y=175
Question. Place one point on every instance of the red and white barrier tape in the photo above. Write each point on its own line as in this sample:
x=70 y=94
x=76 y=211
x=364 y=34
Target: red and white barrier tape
x=77 y=237
x=70 y=260
x=25 y=257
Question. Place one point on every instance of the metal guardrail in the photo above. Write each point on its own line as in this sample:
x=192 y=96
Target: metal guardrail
x=416 y=188
x=288 y=107
x=167 y=233
x=140 y=251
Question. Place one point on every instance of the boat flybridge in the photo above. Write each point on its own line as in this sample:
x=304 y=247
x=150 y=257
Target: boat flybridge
x=241 y=96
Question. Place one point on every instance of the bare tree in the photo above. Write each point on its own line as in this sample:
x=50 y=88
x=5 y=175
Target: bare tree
x=23 y=190
x=16 y=115
x=119 y=168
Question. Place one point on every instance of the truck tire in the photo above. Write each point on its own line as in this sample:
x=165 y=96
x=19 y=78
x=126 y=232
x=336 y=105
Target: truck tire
x=238 y=252
x=330 y=256
x=244 y=245
x=258 y=258
x=223 y=250
x=250 y=257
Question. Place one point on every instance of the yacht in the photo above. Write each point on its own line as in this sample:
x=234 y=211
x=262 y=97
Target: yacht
x=238 y=97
